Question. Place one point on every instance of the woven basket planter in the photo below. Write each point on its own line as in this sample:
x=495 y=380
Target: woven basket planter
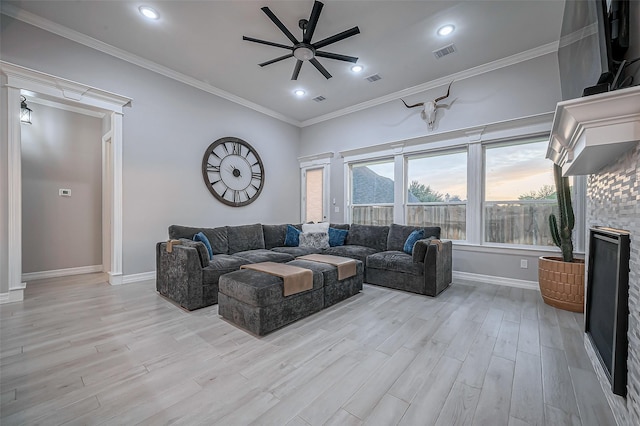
x=562 y=283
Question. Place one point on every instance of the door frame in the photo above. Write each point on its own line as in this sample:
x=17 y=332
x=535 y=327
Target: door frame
x=17 y=80
x=313 y=162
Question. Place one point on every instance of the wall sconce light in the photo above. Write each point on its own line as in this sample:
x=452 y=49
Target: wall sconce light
x=25 y=111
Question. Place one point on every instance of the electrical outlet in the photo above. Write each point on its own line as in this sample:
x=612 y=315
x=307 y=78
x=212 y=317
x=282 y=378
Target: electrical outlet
x=64 y=192
x=524 y=263
x=336 y=209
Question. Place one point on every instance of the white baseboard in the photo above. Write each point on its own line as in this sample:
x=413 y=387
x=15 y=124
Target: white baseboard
x=134 y=278
x=15 y=295
x=30 y=276
x=489 y=279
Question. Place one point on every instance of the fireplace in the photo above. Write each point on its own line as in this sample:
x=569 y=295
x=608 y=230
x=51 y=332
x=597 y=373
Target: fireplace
x=607 y=307
x=599 y=136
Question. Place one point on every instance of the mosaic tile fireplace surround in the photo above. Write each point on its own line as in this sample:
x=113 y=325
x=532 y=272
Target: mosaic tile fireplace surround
x=613 y=200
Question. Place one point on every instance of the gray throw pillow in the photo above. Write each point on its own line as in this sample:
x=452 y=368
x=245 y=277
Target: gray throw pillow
x=319 y=240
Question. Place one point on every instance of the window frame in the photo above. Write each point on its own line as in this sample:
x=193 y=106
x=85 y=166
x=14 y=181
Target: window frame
x=456 y=149
x=349 y=185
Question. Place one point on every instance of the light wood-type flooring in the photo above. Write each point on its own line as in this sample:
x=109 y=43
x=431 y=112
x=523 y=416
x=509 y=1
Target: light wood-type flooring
x=79 y=351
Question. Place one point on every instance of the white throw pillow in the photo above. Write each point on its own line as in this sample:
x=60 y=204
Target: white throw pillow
x=315 y=227
x=319 y=240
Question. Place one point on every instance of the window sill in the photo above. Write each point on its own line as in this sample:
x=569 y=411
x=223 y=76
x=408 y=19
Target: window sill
x=509 y=249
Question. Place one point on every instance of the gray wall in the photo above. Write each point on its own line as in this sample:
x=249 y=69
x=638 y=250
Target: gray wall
x=520 y=90
x=620 y=209
x=61 y=149
x=165 y=134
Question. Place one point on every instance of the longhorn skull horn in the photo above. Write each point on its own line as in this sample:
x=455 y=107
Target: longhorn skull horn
x=411 y=106
x=445 y=96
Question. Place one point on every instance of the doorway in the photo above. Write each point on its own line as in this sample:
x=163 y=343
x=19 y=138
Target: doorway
x=18 y=81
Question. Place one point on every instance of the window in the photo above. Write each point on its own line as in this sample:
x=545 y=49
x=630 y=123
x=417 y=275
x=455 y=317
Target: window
x=314 y=195
x=437 y=192
x=519 y=193
x=372 y=193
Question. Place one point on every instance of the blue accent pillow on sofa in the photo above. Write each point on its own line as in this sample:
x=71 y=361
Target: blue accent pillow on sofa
x=337 y=237
x=203 y=239
x=416 y=235
x=292 y=239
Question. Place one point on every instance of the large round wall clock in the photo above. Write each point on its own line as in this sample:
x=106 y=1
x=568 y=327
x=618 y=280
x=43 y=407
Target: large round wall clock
x=233 y=171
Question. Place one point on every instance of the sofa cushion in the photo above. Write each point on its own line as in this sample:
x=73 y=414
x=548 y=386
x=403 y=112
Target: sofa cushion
x=371 y=236
x=315 y=227
x=274 y=235
x=339 y=226
x=297 y=251
x=416 y=235
x=337 y=237
x=257 y=288
x=292 y=237
x=204 y=240
x=245 y=237
x=221 y=264
x=351 y=251
x=263 y=255
x=396 y=261
x=319 y=240
x=203 y=254
x=217 y=236
x=398 y=235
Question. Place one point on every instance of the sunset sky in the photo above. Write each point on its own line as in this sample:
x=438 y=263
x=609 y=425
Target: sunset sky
x=510 y=171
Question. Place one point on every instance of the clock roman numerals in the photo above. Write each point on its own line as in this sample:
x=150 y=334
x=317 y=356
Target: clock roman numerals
x=233 y=171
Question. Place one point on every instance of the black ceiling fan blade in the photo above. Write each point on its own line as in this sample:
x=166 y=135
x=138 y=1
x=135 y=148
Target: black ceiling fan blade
x=337 y=56
x=290 y=55
x=280 y=25
x=313 y=20
x=268 y=43
x=320 y=68
x=334 y=38
x=296 y=70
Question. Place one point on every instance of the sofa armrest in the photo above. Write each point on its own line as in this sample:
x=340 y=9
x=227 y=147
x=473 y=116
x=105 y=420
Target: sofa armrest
x=420 y=250
x=179 y=274
x=437 y=266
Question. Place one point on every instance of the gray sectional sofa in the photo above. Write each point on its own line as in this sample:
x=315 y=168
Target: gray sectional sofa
x=187 y=276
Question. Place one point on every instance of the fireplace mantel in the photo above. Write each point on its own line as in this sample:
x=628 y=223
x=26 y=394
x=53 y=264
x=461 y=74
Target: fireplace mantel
x=589 y=133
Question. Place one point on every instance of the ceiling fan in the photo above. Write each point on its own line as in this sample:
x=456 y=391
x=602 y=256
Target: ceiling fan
x=305 y=50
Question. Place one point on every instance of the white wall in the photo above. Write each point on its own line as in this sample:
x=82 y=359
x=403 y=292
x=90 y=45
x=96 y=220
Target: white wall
x=4 y=190
x=61 y=149
x=165 y=134
x=524 y=89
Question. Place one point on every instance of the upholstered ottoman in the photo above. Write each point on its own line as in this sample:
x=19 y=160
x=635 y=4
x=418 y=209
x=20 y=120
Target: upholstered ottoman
x=334 y=290
x=255 y=301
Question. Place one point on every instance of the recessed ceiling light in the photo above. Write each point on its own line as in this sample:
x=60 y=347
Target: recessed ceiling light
x=357 y=68
x=148 y=12
x=446 y=30
x=299 y=92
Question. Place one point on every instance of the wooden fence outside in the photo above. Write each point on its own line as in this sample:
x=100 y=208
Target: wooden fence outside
x=513 y=222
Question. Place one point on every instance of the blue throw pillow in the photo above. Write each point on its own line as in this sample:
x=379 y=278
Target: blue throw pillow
x=337 y=237
x=293 y=237
x=416 y=235
x=203 y=239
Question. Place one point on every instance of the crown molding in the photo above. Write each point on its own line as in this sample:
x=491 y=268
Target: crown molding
x=62 y=31
x=462 y=75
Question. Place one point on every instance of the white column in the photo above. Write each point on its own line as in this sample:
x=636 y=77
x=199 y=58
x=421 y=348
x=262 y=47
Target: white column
x=399 y=180
x=115 y=274
x=14 y=183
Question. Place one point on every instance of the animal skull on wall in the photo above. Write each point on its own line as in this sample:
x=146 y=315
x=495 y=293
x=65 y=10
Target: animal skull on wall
x=428 y=113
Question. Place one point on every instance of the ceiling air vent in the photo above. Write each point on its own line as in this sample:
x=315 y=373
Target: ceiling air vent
x=373 y=78
x=447 y=50
x=319 y=98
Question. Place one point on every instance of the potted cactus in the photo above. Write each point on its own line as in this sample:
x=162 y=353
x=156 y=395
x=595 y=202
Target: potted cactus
x=561 y=279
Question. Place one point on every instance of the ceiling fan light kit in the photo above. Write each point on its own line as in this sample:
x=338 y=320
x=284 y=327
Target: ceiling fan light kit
x=304 y=50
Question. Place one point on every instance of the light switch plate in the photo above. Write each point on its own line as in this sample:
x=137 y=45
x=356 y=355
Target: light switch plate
x=64 y=192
